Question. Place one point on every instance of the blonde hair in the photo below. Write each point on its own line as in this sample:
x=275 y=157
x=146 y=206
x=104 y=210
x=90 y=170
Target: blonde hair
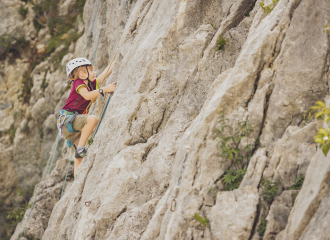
x=75 y=73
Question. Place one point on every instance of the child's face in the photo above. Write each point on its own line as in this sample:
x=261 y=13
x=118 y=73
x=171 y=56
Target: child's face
x=91 y=72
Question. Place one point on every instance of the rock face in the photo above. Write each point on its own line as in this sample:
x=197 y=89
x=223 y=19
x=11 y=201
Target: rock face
x=233 y=214
x=172 y=82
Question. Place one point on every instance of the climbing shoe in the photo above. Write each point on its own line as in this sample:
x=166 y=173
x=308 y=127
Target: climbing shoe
x=80 y=153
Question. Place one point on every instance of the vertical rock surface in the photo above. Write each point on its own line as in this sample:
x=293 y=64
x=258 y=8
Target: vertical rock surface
x=172 y=82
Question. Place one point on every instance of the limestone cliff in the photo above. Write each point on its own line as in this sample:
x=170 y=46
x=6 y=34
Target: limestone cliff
x=185 y=68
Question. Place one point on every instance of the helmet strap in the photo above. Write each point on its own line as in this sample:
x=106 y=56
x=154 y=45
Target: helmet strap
x=89 y=81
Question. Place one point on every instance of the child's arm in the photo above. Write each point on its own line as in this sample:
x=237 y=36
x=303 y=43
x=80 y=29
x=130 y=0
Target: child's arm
x=94 y=94
x=107 y=71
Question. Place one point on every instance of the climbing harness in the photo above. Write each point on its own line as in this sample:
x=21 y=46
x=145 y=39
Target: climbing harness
x=69 y=121
x=71 y=142
x=42 y=179
x=177 y=187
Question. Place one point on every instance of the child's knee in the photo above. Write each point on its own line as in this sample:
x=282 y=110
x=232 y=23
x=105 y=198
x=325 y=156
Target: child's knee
x=93 y=119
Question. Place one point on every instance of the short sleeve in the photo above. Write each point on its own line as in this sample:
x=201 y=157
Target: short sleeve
x=97 y=84
x=78 y=83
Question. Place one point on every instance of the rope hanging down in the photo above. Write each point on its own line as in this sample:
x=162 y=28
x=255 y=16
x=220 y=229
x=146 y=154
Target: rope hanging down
x=90 y=32
x=66 y=175
x=52 y=156
x=98 y=39
x=127 y=10
x=42 y=179
x=177 y=187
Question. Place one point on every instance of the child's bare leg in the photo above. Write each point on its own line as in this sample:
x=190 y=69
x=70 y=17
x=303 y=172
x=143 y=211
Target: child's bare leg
x=91 y=122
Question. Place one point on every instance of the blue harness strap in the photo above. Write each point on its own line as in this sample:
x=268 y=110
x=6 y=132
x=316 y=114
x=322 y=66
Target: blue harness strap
x=69 y=123
x=69 y=120
x=71 y=142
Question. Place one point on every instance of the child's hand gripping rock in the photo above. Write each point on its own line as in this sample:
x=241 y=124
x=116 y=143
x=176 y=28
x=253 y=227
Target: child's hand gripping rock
x=110 y=88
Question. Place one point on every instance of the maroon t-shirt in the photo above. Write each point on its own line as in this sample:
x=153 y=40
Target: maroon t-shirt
x=76 y=102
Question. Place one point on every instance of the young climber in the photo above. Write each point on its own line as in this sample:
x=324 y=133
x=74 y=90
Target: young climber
x=75 y=126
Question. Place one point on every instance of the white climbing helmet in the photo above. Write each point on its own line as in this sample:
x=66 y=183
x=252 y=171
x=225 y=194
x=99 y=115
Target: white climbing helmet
x=77 y=62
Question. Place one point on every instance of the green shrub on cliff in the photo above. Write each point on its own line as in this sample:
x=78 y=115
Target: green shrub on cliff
x=221 y=43
x=322 y=136
x=270 y=190
x=233 y=149
x=23 y=11
x=18 y=213
x=269 y=8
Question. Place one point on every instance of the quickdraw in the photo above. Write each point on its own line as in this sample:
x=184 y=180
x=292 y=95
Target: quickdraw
x=177 y=187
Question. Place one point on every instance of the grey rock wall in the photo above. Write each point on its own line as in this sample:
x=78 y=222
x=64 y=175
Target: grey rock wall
x=171 y=85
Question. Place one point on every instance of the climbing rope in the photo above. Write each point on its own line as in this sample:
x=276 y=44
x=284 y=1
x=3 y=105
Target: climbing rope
x=127 y=10
x=99 y=32
x=52 y=156
x=105 y=108
x=42 y=179
x=89 y=105
x=90 y=32
x=98 y=39
x=66 y=175
x=177 y=187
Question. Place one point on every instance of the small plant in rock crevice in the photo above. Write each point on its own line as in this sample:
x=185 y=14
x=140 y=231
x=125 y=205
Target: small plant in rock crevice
x=262 y=227
x=233 y=178
x=308 y=116
x=269 y=8
x=298 y=183
x=203 y=221
x=44 y=84
x=213 y=25
x=270 y=190
x=23 y=11
x=231 y=148
x=90 y=141
x=221 y=43
x=18 y=212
